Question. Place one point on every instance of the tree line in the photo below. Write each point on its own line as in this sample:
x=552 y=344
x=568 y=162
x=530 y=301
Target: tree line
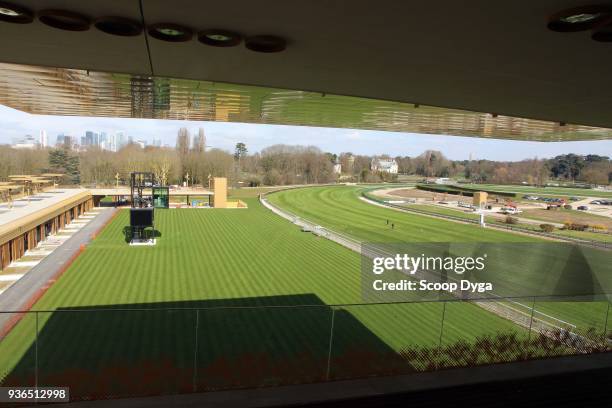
x=287 y=164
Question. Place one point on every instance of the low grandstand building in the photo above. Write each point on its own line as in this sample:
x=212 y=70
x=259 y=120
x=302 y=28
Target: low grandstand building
x=26 y=222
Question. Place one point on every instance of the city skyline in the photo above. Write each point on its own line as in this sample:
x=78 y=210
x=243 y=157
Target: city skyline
x=15 y=124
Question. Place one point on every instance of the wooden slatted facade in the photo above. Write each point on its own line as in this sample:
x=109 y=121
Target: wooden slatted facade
x=20 y=235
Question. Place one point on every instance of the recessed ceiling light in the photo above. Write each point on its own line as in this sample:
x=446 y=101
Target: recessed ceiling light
x=170 y=32
x=124 y=27
x=11 y=13
x=578 y=19
x=265 y=43
x=219 y=38
x=603 y=33
x=64 y=20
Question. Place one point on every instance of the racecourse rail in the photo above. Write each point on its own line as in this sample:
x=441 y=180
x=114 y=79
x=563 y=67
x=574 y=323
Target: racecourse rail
x=510 y=309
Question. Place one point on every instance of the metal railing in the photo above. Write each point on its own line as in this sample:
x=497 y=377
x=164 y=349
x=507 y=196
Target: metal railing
x=145 y=350
x=513 y=311
x=310 y=226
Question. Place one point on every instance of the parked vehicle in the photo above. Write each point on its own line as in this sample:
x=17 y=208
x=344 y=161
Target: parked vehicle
x=583 y=208
x=595 y=202
x=510 y=210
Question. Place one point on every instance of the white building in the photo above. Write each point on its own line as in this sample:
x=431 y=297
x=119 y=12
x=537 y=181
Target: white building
x=384 y=165
x=43 y=140
x=111 y=143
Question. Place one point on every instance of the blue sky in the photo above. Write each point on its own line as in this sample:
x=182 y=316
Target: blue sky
x=17 y=124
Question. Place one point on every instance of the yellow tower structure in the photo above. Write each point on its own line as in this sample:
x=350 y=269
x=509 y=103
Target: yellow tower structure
x=480 y=199
x=219 y=188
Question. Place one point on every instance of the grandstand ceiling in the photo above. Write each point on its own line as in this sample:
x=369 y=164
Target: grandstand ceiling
x=471 y=70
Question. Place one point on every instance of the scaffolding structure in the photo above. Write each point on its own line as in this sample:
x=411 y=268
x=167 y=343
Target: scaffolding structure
x=146 y=194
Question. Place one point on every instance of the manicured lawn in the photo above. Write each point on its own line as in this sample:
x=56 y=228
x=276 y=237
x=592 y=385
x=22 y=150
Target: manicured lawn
x=340 y=209
x=246 y=192
x=593 y=236
x=215 y=259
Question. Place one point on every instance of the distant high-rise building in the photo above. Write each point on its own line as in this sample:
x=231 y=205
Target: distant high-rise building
x=199 y=141
x=42 y=139
x=60 y=140
x=68 y=142
x=157 y=142
x=182 y=141
x=141 y=143
x=112 y=142
x=121 y=140
x=103 y=139
x=89 y=138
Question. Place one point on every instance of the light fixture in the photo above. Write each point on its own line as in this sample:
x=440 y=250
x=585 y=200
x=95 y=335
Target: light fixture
x=120 y=26
x=579 y=18
x=219 y=38
x=170 y=32
x=11 y=13
x=64 y=20
x=603 y=33
x=265 y=43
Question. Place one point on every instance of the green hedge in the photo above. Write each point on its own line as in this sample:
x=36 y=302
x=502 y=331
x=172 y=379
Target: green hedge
x=466 y=191
x=444 y=189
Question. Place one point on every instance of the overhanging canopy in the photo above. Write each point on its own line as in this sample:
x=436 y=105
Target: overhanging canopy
x=494 y=57
x=62 y=91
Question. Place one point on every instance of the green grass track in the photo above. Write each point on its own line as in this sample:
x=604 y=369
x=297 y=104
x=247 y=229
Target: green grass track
x=340 y=209
x=211 y=258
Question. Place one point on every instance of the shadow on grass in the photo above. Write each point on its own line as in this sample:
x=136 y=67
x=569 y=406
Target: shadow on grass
x=175 y=347
x=148 y=234
x=180 y=347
